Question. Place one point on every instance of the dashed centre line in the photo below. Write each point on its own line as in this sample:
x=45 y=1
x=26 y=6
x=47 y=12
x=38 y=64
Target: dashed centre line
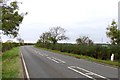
x=52 y=59
x=59 y=60
x=41 y=54
x=80 y=72
x=77 y=69
x=87 y=73
x=45 y=55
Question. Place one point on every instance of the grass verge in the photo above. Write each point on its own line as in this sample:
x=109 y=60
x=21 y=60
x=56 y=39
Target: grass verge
x=104 y=62
x=11 y=64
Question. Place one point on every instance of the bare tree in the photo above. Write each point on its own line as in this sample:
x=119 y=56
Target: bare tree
x=57 y=34
x=45 y=37
x=53 y=35
x=84 y=40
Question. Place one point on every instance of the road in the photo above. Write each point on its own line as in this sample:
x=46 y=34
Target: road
x=44 y=64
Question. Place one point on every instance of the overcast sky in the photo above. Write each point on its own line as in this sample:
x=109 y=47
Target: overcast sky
x=78 y=17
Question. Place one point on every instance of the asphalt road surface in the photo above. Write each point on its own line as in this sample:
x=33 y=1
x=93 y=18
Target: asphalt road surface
x=45 y=64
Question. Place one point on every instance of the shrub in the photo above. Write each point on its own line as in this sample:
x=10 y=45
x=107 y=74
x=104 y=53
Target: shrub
x=7 y=46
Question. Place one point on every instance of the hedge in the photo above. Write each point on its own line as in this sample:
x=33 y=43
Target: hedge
x=8 y=46
x=96 y=51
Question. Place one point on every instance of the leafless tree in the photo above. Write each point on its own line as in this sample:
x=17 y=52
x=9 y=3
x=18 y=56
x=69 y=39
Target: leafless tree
x=57 y=34
x=84 y=40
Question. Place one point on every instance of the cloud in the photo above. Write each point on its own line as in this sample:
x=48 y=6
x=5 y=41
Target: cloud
x=76 y=16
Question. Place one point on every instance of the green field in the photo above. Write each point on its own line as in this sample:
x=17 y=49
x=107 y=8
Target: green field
x=11 y=64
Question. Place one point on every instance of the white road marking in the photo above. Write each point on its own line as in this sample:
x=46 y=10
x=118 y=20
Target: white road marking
x=87 y=74
x=45 y=55
x=41 y=54
x=81 y=73
x=59 y=60
x=99 y=75
x=52 y=59
x=92 y=73
x=26 y=71
x=83 y=69
x=36 y=52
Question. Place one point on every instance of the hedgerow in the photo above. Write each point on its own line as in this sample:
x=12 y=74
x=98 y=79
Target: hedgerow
x=8 y=46
x=96 y=51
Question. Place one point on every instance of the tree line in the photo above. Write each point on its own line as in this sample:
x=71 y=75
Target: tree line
x=85 y=46
x=56 y=34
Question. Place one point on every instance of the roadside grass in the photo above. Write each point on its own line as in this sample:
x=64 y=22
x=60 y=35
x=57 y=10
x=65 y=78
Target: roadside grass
x=11 y=64
x=104 y=62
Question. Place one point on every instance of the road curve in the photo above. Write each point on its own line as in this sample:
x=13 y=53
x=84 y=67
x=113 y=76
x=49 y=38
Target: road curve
x=45 y=64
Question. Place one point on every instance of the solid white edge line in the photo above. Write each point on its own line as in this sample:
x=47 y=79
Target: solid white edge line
x=26 y=71
x=81 y=73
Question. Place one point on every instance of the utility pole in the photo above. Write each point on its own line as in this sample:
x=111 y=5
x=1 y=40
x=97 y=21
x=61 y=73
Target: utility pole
x=102 y=40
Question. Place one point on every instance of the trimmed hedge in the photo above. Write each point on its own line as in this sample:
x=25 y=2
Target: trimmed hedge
x=96 y=51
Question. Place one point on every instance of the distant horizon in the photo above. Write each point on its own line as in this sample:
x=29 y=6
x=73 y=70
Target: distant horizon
x=58 y=42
